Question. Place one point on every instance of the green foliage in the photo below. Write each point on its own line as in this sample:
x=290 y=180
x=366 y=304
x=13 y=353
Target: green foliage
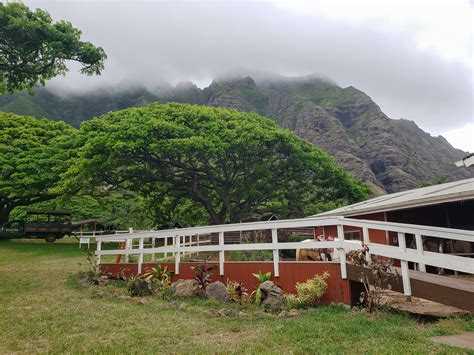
x=310 y=292
x=33 y=155
x=251 y=255
x=261 y=279
x=159 y=276
x=230 y=164
x=33 y=49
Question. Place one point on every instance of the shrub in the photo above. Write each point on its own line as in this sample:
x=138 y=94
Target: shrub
x=382 y=274
x=237 y=292
x=159 y=276
x=308 y=293
x=202 y=274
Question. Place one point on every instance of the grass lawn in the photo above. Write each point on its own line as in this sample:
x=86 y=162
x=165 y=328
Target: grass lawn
x=43 y=310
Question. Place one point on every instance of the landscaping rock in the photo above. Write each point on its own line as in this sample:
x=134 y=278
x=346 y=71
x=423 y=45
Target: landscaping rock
x=263 y=314
x=272 y=295
x=182 y=306
x=218 y=291
x=294 y=313
x=102 y=280
x=242 y=314
x=283 y=314
x=184 y=288
x=140 y=287
x=221 y=312
x=231 y=313
x=174 y=304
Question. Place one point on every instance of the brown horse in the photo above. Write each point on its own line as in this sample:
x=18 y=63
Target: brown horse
x=324 y=254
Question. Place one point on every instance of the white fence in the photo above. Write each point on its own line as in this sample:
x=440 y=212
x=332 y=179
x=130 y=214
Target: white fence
x=404 y=254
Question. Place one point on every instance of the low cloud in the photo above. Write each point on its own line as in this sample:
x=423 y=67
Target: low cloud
x=149 y=43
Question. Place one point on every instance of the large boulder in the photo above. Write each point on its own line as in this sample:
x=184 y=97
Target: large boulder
x=218 y=291
x=272 y=295
x=184 y=288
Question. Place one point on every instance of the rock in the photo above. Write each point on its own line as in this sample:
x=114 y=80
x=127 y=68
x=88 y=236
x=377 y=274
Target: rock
x=283 y=314
x=272 y=296
x=142 y=301
x=221 y=312
x=217 y=291
x=140 y=287
x=231 y=313
x=294 y=313
x=182 y=306
x=102 y=280
x=184 y=288
x=242 y=314
x=174 y=304
x=263 y=314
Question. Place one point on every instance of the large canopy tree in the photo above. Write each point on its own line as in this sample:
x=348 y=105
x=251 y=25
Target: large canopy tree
x=233 y=165
x=33 y=49
x=33 y=154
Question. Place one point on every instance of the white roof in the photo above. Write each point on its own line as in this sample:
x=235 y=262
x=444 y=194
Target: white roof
x=466 y=162
x=430 y=195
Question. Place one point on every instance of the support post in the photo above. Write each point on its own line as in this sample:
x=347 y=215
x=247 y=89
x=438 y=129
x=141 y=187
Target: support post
x=404 y=265
x=342 y=251
x=419 y=248
x=97 y=253
x=153 y=245
x=221 y=254
x=276 y=257
x=177 y=242
x=140 y=255
x=366 y=236
x=197 y=243
x=166 y=244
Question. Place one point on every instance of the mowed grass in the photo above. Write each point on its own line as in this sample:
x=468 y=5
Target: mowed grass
x=43 y=310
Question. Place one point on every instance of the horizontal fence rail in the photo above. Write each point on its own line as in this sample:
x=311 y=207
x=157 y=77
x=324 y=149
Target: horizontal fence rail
x=179 y=245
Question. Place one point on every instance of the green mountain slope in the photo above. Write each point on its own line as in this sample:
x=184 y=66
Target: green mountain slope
x=390 y=155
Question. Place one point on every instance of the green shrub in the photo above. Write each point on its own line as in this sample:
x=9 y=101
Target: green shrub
x=308 y=293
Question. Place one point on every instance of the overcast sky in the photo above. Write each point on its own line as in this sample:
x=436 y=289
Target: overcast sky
x=413 y=58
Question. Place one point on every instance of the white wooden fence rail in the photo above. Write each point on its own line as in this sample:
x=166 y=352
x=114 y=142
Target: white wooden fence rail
x=401 y=252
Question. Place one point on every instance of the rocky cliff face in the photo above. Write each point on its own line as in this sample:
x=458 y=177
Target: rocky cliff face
x=389 y=155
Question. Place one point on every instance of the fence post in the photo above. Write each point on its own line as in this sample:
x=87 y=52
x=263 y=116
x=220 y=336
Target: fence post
x=419 y=247
x=177 y=259
x=140 y=255
x=404 y=264
x=276 y=257
x=221 y=254
x=153 y=244
x=98 y=249
x=166 y=244
x=366 y=236
x=342 y=254
x=197 y=243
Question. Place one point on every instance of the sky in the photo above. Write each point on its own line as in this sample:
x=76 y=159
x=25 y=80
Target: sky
x=413 y=58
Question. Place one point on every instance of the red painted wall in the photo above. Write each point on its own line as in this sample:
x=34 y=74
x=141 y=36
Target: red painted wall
x=290 y=273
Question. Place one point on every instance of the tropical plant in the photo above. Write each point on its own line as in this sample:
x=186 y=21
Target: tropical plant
x=380 y=275
x=33 y=49
x=310 y=292
x=231 y=165
x=261 y=277
x=202 y=274
x=237 y=292
x=159 y=276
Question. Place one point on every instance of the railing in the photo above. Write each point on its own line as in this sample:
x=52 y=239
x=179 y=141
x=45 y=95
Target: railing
x=400 y=252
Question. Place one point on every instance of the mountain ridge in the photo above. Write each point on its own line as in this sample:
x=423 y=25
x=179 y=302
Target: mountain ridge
x=389 y=155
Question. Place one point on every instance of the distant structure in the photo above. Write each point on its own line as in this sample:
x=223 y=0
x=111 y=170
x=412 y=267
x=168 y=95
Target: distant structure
x=466 y=162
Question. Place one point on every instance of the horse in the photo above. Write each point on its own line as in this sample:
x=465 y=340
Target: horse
x=323 y=254
x=434 y=245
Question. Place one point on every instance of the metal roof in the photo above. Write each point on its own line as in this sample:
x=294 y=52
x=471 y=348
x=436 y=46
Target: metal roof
x=452 y=191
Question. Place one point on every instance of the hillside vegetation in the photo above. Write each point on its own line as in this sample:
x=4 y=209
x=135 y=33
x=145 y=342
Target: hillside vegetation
x=389 y=155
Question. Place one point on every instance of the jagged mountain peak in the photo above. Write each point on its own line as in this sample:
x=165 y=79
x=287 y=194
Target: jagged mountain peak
x=390 y=155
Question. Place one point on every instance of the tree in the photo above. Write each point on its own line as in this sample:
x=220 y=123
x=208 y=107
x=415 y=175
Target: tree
x=33 y=49
x=33 y=154
x=233 y=165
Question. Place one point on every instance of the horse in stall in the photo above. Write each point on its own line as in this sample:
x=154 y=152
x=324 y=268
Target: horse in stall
x=324 y=254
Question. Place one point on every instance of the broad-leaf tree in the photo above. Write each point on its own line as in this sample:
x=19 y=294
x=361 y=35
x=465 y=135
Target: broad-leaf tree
x=33 y=49
x=231 y=164
x=33 y=154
